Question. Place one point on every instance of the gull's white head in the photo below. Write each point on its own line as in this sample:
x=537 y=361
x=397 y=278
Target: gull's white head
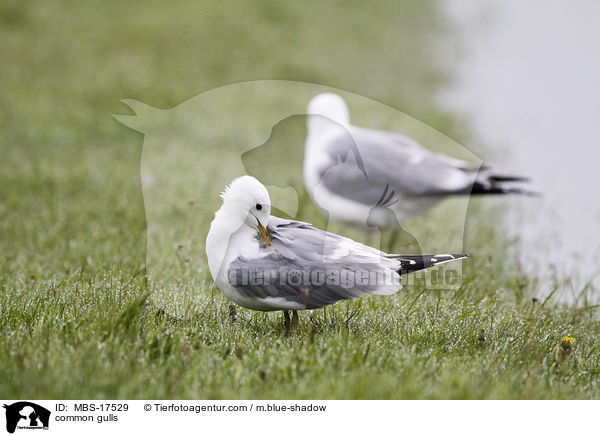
x=328 y=105
x=247 y=208
x=247 y=202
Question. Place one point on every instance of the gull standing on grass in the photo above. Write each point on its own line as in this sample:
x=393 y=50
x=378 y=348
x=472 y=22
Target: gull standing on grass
x=267 y=263
x=356 y=174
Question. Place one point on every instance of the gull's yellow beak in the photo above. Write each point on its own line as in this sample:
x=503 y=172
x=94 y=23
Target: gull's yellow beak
x=264 y=234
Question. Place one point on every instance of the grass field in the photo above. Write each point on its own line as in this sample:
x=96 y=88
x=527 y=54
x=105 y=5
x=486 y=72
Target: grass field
x=78 y=317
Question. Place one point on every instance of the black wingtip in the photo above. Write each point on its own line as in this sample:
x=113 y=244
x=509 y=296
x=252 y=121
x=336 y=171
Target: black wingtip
x=498 y=189
x=504 y=178
x=438 y=259
x=412 y=263
x=487 y=183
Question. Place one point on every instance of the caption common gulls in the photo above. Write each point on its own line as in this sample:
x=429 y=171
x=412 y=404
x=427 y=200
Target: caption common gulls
x=267 y=263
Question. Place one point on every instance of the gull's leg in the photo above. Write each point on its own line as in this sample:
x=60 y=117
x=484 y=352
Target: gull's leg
x=286 y=321
x=294 y=323
x=373 y=237
x=392 y=240
x=369 y=238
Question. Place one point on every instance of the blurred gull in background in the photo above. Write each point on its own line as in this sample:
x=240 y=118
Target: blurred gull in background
x=358 y=175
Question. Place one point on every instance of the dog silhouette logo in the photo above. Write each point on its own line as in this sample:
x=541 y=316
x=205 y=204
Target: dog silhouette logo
x=26 y=415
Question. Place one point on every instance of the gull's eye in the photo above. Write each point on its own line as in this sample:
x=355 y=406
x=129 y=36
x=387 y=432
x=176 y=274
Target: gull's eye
x=258 y=206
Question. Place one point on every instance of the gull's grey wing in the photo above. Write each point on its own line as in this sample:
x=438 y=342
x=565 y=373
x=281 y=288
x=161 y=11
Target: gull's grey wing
x=286 y=269
x=395 y=161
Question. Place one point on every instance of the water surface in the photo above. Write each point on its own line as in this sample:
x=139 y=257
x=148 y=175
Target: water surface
x=528 y=82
